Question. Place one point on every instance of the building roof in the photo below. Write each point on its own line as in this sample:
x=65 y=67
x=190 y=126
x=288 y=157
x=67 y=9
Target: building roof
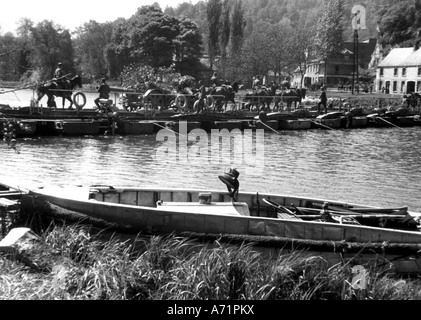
x=365 y=49
x=402 y=57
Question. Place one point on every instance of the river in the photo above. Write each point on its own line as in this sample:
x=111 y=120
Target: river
x=375 y=166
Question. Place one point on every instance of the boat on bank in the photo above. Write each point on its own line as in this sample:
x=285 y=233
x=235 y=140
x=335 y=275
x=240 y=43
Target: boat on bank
x=336 y=230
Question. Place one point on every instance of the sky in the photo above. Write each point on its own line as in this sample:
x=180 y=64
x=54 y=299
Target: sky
x=73 y=13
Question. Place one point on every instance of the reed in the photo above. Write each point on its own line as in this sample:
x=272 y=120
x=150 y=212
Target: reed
x=85 y=267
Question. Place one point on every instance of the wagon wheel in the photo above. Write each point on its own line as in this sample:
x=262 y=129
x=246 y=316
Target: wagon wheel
x=278 y=207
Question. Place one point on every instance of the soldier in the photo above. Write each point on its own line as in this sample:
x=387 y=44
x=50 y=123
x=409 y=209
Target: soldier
x=104 y=92
x=60 y=77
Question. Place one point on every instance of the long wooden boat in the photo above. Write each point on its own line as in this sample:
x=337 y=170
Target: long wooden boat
x=336 y=230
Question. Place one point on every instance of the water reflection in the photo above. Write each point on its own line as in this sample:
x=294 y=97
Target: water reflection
x=373 y=166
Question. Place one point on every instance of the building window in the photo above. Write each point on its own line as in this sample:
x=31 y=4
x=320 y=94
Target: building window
x=403 y=72
x=418 y=86
x=419 y=71
x=381 y=71
x=395 y=72
x=380 y=86
x=395 y=86
x=402 y=86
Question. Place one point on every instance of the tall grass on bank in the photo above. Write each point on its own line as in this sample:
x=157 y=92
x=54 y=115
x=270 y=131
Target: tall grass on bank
x=84 y=267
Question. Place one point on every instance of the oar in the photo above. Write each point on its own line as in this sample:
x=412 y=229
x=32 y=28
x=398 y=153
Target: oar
x=320 y=124
x=344 y=213
x=378 y=210
x=369 y=216
x=392 y=124
x=365 y=216
x=268 y=126
x=166 y=128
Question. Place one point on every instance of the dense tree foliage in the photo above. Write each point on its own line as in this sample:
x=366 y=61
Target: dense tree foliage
x=239 y=38
x=329 y=39
x=400 y=23
x=214 y=13
x=90 y=45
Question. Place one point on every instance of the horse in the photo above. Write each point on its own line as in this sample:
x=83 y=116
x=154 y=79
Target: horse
x=260 y=96
x=412 y=99
x=225 y=93
x=52 y=88
x=290 y=96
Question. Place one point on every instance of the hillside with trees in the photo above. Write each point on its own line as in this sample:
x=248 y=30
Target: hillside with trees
x=238 y=38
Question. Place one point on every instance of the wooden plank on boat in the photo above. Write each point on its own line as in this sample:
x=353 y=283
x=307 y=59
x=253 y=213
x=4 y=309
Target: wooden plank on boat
x=7 y=204
x=294 y=124
x=10 y=194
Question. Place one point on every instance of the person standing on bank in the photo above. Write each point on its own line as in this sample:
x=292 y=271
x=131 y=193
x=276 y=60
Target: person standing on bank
x=104 y=92
x=323 y=99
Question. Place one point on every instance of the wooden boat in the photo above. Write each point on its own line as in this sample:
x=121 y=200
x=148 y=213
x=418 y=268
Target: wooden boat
x=336 y=230
x=333 y=120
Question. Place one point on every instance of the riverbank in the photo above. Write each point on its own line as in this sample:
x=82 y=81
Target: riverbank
x=85 y=267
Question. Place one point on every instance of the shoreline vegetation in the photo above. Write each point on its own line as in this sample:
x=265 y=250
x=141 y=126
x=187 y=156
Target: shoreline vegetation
x=79 y=264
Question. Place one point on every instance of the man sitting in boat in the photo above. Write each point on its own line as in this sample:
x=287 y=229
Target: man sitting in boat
x=325 y=214
x=231 y=181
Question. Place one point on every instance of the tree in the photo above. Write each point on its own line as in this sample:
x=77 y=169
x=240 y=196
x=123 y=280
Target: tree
x=225 y=31
x=238 y=25
x=278 y=41
x=90 y=48
x=188 y=45
x=302 y=46
x=117 y=52
x=51 y=44
x=399 y=23
x=254 y=57
x=214 y=12
x=329 y=38
x=150 y=36
x=9 y=57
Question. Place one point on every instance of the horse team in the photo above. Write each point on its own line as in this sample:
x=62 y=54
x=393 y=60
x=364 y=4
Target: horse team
x=186 y=99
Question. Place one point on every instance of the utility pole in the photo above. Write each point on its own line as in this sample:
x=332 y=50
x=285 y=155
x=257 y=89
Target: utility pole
x=355 y=61
x=358 y=22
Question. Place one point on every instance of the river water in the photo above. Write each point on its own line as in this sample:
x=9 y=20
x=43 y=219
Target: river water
x=375 y=166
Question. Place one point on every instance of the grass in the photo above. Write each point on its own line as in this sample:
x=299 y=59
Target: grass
x=81 y=266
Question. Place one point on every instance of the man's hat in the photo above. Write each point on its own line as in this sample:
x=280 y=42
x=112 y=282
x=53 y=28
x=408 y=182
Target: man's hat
x=230 y=178
x=60 y=64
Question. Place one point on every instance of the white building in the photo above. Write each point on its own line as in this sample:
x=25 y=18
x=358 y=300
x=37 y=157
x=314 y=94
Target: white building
x=400 y=71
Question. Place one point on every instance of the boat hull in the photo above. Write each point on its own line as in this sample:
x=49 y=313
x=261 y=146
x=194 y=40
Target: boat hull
x=138 y=211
